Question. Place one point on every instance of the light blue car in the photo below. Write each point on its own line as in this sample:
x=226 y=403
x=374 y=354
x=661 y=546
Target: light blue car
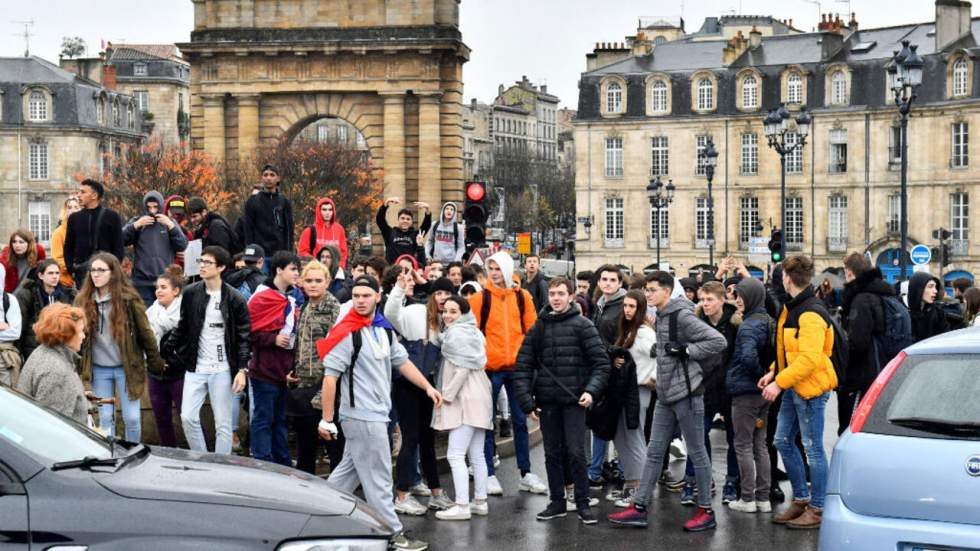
x=906 y=475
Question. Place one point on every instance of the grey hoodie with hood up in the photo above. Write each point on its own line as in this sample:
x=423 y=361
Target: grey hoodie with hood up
x=703 y=343
x=155 y=247
x=444 y=243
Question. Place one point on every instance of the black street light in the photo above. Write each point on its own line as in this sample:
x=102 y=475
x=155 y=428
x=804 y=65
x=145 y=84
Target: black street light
x=905 y=73
x=776 y=128
x=710 y=160
x=659 y=200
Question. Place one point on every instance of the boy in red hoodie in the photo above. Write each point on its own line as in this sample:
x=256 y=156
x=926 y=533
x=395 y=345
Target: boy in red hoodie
x=325 y=231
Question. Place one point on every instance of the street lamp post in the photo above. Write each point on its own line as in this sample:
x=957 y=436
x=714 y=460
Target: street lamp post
x=776 y=128
x=906 y=75
x=710 y=156
x=659 y=200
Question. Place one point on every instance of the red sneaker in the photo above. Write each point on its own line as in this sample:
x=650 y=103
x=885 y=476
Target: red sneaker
x=703 y=519
x=630 y=516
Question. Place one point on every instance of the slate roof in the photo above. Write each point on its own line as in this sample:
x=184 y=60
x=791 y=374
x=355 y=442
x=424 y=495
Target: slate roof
x=34 y=70
x=167 y=52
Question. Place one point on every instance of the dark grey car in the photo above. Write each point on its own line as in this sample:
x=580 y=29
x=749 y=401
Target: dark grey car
x=66 y=488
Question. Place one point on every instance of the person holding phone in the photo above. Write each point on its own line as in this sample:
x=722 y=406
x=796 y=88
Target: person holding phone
x=156 y=240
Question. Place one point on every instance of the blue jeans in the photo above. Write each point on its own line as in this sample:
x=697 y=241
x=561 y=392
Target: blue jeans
x=217 y=387
x=599 y=447
x=505 y=379
x=805 y=417
x=236 y=407
x=103 y=378
x=732 y=462
x=269 y=427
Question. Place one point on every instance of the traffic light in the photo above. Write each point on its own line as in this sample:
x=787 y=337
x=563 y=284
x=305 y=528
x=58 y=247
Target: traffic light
x=475 y=215
x=776 y=246
x=944 y=255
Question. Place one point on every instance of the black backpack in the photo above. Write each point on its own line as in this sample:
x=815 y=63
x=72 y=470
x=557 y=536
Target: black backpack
x=898 y=330
x=839 y=355
x=485 y=310
x=357 y=342
x=311 y=241
x=767 y=354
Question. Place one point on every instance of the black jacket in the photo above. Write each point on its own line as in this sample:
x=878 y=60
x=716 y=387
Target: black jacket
x=78 y=236
x=215 y=231
x=928 y=320
x=568 y=346
x=268 y=221
x=715 y=393
x=863 y=317
x=252 y=276
x=31 y=298
x=234 y=312
x=398 y=242
x=606 y=320
x=622 y=393
x=538 y=287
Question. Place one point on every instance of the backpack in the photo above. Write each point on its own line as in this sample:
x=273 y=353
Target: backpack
x=767 y=354
x=357 y=342
x=839 y=354
x=237 y=245
x=898 y=331
x=432 y=247
x=311 y=241
x=485 y=310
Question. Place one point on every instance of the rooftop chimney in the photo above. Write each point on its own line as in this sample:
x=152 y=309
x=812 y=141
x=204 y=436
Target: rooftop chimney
x=952 y=21
x=853 y=24
x=544 y=88
x=755 y=38
x=109 y=77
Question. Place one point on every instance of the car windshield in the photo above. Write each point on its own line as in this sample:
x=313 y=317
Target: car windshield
x=938 y=395
x=48 y=437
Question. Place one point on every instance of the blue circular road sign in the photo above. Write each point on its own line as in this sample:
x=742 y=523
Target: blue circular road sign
x=920 y=254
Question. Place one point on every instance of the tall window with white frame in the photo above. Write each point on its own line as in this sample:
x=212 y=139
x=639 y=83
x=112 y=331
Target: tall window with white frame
x=750 y=93
x=748 y=220
x=961 y=145
x=750 y=153
x=893 y=214
x=794 y=160
x=38 y=160
x=39 y=220
x=837 y=223
x=699 y=163
x=838 y=151
x=838 y=88
x=706 y=95
x=794 y=222
x=659 y=227
x=615 y=224
x=960 y=78
x=659 y=152
x=959 y=221
x=614 y=97
x=658 y=97
x=37 y=106
x=143 y=99
x=794 y=88
x=614 y=157
x=701 y=223
x=116 y=115
x=894 y=146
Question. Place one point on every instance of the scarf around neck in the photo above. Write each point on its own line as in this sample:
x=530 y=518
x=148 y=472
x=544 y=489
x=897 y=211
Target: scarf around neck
x=351 y=322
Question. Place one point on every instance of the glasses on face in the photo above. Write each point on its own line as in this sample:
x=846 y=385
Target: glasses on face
x=99 y=271
x=205 y=262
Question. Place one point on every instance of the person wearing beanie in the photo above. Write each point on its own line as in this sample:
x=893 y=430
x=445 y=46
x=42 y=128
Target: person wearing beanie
x=446 y=241
x=156 y=239
x=325 y=231
x=268 y=217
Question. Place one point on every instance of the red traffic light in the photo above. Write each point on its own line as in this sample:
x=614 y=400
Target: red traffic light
x=475 y=191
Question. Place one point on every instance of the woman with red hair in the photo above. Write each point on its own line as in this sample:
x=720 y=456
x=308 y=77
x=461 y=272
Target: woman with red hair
x=20 y=258
x=49 y=374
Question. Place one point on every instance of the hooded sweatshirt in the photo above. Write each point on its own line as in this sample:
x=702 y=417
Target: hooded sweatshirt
x=751 y=356
x=321 y=234
x=503 y=326
x=155 y=246
x=447 y=241
x=928 y=320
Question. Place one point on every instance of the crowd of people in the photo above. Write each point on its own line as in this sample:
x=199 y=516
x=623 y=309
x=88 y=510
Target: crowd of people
x=358 y=355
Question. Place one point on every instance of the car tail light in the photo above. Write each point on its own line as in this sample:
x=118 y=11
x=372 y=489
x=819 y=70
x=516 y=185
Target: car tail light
x=869 y=399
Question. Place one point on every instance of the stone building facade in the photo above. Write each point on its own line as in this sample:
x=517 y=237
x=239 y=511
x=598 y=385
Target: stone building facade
x=264 y=70
x=159 y=79
x=651 y=113
x=54 y=125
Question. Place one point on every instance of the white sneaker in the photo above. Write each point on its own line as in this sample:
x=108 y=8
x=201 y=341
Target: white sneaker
x=493 y=486
x=763 y=506
x=678 y=449
x=496 y=461
x=440 y=502
x=531 y=483
x=420 y=490
x=742 y=506
x=570 y=504
x=410 y=506
x=456 y=512
x=481 y=508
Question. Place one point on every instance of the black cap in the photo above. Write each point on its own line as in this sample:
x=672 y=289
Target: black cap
x=367 y=281
x=253 y=253
x=443 y=284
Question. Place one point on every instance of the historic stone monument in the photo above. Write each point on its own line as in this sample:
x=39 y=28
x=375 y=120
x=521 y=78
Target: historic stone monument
x=262 y=70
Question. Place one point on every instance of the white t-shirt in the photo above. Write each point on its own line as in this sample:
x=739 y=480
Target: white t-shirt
x=211 y=354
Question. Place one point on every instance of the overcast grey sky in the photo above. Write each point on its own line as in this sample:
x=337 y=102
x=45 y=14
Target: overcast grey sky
x=544 y=39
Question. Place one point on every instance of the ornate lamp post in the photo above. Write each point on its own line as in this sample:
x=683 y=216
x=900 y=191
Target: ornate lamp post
x=776 y=128
x=906 y=76
x=659 y=200
x=710 y=156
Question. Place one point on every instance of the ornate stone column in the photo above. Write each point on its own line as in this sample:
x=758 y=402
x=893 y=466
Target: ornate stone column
x=394 y=149
x=430 y=152
x=214 y=126
x=248 y=126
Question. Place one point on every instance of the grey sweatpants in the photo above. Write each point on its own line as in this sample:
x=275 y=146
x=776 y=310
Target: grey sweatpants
x=367 y=462
x=749 y=411
x=630 y=447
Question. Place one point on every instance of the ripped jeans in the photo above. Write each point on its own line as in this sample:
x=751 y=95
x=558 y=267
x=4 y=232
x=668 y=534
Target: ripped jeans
x=807 y=418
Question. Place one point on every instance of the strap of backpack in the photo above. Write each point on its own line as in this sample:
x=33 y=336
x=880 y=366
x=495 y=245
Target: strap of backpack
x=520 y=308
x=485 y=311
x=455 y=236
x=311 y=240
x=356 y=341
x=95 y=229
x=672 y=337
x=6 y=305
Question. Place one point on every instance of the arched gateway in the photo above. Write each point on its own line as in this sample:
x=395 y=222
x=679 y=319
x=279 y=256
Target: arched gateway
x=262 y=70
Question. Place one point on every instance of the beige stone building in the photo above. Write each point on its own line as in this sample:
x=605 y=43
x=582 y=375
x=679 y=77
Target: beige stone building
x=263 y=70
x=54 y=126
x=651 y=112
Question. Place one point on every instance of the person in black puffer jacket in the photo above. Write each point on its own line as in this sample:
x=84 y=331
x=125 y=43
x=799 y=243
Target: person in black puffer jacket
x=928 y=318
x=562 y=367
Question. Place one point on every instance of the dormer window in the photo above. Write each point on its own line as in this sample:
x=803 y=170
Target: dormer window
x=139 y=69
x=838 y=88
x=750 y=93
x=614 y=97
x=960 y=78
x=37 y=106
x=794 y=88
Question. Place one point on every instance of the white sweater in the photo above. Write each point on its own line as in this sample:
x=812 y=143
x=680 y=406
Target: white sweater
x=646 y=365
x=164 y=319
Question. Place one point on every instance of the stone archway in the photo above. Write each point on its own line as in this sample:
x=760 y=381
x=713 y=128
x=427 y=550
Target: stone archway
x=263 y=69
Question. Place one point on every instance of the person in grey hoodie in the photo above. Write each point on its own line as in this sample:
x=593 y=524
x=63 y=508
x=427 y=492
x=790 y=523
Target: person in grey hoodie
x=156 y=240
x=446 y=240
x=684 y=345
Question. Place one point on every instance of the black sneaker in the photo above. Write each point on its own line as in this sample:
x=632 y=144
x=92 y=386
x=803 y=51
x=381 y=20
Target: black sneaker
x=585 y=515
x=504 y=428
x=776 y=494
x=554 y=509
x=595 y=484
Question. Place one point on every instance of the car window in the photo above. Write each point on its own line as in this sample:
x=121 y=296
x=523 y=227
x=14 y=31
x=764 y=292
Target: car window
x=931 y=396
x=45 y=435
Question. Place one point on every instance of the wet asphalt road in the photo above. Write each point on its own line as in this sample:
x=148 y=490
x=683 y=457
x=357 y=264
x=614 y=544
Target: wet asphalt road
x=511 y=525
